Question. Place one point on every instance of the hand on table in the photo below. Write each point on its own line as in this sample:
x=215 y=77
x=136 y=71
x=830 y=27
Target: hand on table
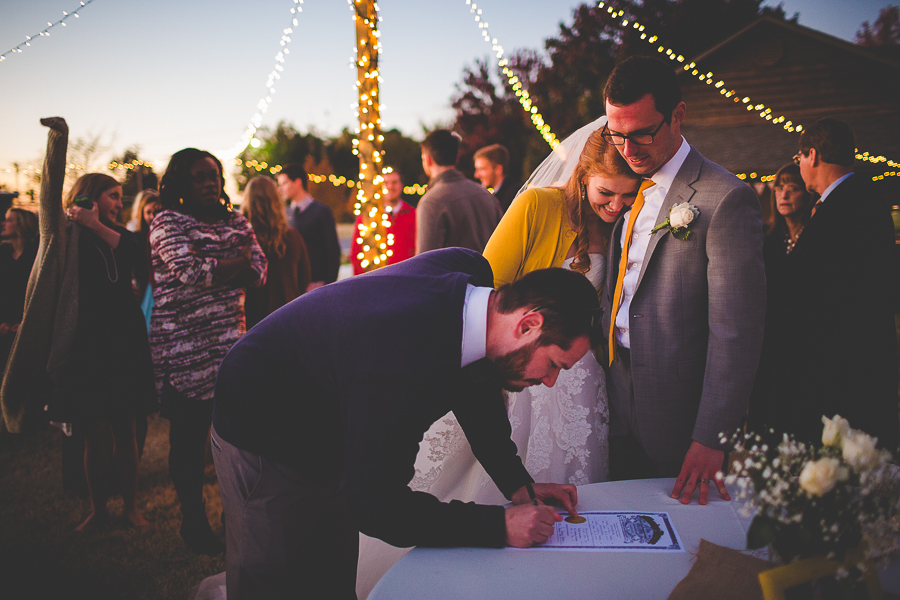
x=567 y=495
x=702 y=465
x=527 y=525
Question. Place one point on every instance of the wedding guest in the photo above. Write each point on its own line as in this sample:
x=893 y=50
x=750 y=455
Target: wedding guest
x=203 y=256
x=491 y=165
x=793 y=205
x=107 y=379
x=402 y=218
x=835 y=310
x=455 y=211
x=146 y=205
x=685 y=292
x=315 y=222
x=288 y=272
x=19 y=237
x=316 y=418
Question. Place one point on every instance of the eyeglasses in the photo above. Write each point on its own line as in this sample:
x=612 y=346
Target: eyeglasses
x=797 y=158
x=641 y=139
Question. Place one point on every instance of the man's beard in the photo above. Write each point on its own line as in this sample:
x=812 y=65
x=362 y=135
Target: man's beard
x=512 y=367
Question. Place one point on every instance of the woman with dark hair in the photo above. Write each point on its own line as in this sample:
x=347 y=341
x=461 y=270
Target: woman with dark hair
x=202 y=256
x=791 y=210
x=106 y=380
x=289 y=271
x=18 y=249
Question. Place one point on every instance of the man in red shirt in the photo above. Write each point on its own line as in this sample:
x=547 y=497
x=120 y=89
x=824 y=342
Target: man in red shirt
x=403 y=224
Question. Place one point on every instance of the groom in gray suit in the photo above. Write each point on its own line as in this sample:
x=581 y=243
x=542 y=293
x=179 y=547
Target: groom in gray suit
x=685 y=295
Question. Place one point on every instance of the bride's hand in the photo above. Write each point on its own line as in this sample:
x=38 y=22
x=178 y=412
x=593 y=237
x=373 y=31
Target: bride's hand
x=527 y=525
x=556 y=493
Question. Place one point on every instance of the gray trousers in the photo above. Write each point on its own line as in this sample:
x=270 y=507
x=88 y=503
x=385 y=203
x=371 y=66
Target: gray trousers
x=627 y=458
x=286 y=536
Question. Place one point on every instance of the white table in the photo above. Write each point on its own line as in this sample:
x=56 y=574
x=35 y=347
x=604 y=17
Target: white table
x=476 y=573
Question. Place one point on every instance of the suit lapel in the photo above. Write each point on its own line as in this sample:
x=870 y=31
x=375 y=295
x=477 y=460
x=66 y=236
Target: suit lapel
x=681 y=191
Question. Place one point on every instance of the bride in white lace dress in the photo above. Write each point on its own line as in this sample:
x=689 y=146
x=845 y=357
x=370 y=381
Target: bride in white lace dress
x=563 y=219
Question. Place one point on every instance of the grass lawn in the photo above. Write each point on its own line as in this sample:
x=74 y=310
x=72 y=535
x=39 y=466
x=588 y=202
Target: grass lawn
x=42 y=557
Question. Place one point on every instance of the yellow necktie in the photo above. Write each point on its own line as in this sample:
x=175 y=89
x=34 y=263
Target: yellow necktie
x=623 y=264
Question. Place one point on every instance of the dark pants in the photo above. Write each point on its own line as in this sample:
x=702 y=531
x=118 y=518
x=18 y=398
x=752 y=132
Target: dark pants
x=286 y=535
x=189 y=421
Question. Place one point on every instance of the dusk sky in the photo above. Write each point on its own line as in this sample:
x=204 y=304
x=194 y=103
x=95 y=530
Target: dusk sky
x=165 y=74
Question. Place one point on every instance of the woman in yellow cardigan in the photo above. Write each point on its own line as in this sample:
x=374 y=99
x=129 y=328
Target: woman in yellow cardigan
x=562 y=432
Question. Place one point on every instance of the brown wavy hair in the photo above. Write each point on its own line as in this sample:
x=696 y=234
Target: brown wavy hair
x=91 y=185
x=597 y=158
x=143 y=198
x=265 y=212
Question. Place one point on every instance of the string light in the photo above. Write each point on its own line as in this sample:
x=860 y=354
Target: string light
x=44 y=32
x=762 y=110
x=335 y=180
x=372 y=235
x=249 y=137
x=117 y=166
x=524 y=99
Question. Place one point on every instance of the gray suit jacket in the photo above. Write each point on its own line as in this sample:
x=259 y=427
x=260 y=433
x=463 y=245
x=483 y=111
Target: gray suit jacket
x=697 y=316
x=455 y=212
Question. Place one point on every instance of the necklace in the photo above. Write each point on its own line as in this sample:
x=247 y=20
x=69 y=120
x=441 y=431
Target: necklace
x=790 y=242
x=114 y=277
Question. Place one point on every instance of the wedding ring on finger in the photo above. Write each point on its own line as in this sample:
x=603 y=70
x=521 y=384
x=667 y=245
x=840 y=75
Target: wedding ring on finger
x=706 y=481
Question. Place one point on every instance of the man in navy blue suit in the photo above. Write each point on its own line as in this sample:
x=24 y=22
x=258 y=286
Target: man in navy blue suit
x=320 y=408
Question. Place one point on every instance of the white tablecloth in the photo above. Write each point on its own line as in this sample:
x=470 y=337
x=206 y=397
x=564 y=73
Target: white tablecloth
x=475 y=573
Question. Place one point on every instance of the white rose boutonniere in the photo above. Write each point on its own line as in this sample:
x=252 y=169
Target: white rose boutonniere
x=680 y=218
x=834 y=430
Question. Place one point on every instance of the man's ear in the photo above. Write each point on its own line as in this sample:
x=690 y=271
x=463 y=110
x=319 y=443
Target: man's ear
x=814 y=157
x=529 y=326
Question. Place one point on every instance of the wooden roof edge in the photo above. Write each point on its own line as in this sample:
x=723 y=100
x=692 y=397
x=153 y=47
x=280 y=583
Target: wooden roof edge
x=800 y=29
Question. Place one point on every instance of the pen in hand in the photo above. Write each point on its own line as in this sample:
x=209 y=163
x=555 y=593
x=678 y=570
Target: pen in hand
x=531 y=495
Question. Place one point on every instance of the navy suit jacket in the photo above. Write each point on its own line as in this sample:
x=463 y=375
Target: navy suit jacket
x=348 y=378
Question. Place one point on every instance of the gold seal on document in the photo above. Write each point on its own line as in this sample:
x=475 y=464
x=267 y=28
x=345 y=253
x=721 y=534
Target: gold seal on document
x=576 y=520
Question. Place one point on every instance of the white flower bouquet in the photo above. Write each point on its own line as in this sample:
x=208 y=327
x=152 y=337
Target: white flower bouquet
x=839 y=501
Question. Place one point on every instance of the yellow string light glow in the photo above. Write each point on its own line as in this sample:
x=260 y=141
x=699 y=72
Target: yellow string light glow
x=371 y=233
x=44 y=32
x=762 y=110
x=249 y=139
x=514 y=81
x=117 y=166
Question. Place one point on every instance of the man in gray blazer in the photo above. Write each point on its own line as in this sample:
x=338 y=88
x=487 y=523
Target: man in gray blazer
x=455 y=211
x=687 y=303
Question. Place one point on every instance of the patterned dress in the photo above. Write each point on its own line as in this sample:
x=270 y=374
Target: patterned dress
x=196 y=319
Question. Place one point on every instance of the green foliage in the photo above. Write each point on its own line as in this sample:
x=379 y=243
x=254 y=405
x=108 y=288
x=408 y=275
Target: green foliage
x=280 y=146
x=139 y=176
x=884 y=32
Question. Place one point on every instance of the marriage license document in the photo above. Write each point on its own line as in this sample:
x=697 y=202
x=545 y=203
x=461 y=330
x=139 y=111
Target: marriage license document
x=611 y=531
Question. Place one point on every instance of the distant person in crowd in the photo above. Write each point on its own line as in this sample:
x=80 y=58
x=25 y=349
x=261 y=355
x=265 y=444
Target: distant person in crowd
x=317 y=421
x=137 y=207
x=107 y=379
x=288 y=273
x=203 y=255
x=402 y=218
x=455 y=211
x=834 y=312
x=146 y=205
x=685 y=295
x=792 y=206
x=19 y=238
x=314 y=221
x=491 y=165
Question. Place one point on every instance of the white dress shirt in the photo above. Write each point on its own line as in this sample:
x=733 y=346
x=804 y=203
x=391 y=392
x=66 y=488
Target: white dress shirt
x=646 y=220
x=474 y=337
x=833 y=185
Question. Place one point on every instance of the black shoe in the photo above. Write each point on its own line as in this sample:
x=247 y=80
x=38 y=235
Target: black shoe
x=199 y=538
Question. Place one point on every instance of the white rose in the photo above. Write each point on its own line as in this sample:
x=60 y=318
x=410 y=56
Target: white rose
x=818 y=477
x=681 y=215
x=834 y=430
x=859 y=450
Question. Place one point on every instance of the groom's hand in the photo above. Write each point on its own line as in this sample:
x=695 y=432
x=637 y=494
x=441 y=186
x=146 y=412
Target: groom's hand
x=702 y=466
x=527 y=525
x=550 y=493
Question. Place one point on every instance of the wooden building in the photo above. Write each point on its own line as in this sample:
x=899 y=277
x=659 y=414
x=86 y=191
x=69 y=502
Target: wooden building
x=803 y=75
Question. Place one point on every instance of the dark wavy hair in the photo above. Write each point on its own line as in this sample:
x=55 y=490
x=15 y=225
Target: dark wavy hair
x=567 y=301
x=597 y=158
x=174 y=187
x=637 y=76
x=27 y=222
